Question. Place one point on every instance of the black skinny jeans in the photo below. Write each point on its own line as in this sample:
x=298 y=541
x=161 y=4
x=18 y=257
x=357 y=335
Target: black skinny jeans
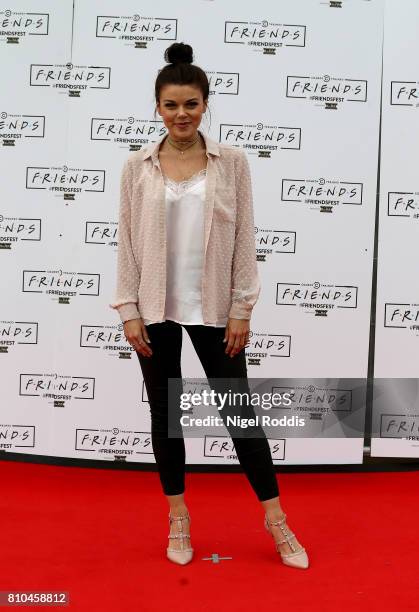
x=253 y=454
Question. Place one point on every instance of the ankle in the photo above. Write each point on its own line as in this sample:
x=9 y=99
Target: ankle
x=179 y=510
x=275 y=515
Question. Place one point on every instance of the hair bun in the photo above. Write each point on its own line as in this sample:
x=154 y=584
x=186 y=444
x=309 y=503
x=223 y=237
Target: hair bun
x=179 y=52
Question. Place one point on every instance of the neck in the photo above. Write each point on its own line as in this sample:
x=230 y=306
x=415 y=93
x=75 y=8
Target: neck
x=185 y=142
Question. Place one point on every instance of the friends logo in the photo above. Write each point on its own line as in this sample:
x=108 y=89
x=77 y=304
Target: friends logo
x=65 y=180
x=223 y=83
x=317 y=297
x=262 y=138
x=269 y=241
x=402 y=316
x=57 y=387
x=14 y=25
x=404 y=93
x=61 y=283
x=15 y=127
x=403 y=204
x=264 y=35
x=115 y=441
x=262 y=346
x=136 y=30
x=109 y=338
x=315 y=400
x=67 y=76
x=101 y=232
x=222 y=447
x=13 y=333
x=327 y=89
x=131 y=131
x=16 y=229
x=16 y=436
x=321 y=194
x=399 y=426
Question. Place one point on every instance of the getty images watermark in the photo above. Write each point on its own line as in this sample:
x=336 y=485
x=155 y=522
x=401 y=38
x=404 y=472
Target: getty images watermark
x=277 y=407
x=265 y=401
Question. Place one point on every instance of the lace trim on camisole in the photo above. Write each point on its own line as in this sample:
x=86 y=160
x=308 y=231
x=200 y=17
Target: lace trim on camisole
x=182 y=186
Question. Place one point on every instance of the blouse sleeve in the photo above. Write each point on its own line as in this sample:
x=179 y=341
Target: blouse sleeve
x=245 y=277
x=127 y=276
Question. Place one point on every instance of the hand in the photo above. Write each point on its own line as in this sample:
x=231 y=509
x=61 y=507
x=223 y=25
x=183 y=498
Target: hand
x=236 y=335
x=136 y=334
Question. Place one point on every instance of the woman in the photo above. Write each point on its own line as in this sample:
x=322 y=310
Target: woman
x=186 y=258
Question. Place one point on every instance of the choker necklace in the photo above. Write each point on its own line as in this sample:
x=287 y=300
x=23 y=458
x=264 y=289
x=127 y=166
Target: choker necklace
x=175 y=146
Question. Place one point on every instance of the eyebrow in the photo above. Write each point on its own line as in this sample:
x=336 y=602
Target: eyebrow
x=190 y=100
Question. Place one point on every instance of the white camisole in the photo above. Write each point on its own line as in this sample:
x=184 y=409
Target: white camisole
x=185 y=250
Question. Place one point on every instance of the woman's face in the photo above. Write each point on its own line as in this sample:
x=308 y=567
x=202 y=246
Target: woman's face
x=181 y=108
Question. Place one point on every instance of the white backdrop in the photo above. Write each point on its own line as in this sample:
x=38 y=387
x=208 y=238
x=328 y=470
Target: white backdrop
x=297 y=84
x=396 y=405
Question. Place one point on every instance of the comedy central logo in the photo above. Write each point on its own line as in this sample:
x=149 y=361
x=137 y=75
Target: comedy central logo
x=259 y=137
x=65 y=180
x=69 y=77
x=16 y=25
x=264 y=36
x=16 y=229
x=15 y=127
x=402 y=316
x=132 y=131
x=16 y=436
x=316 y=297
x=403 y=204
x=323 y=195
x=404 y=93
x=263 y=345
x=329 y=90
x=113 y=441
x=13 y=333
x=270 y=242
x=61 y=283
x=57 y=387
x=110 y=338
x=136 y=30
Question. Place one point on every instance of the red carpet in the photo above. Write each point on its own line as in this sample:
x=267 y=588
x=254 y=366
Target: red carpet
x=101 y=536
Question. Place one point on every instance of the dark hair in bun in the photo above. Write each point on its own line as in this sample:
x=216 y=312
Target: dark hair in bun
x=180 y=70
x=179 y=52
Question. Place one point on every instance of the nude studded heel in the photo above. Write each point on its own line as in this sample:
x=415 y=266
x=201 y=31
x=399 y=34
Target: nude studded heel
x=296 y=558
x=185 y=553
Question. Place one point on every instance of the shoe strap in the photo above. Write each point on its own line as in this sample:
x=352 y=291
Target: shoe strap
x=180 y=535
x=287 y=535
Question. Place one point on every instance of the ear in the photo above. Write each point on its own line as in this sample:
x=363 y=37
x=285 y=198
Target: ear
x=158 y=108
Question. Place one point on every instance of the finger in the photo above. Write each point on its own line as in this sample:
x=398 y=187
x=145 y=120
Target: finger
x=145 y=334
x=139 y=345
x=144 y=347
x=238 y=345
x=231 y=339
